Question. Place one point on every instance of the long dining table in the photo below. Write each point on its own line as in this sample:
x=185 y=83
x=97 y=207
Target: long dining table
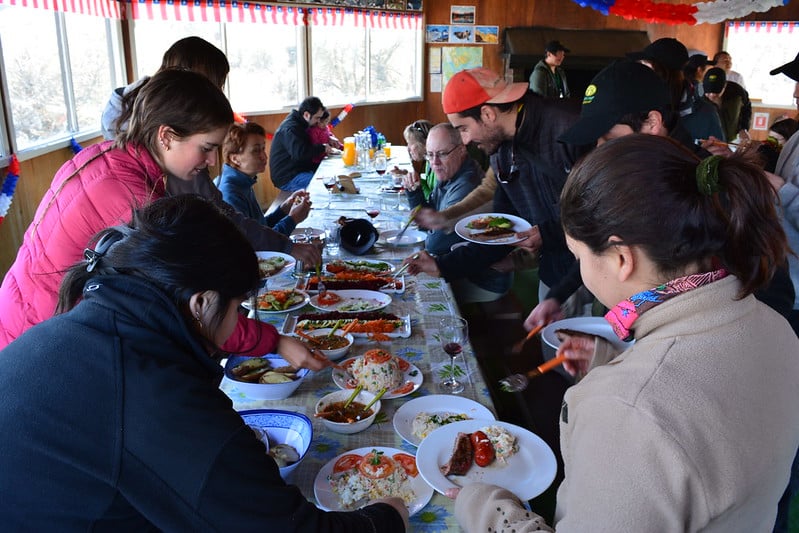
x=426 y=300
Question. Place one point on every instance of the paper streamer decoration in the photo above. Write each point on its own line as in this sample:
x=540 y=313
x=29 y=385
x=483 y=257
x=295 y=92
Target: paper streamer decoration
x=699 y=13
x=9 y=185
x=74 y=145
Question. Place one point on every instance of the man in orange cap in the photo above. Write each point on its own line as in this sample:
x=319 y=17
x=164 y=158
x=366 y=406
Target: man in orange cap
x=519 y=130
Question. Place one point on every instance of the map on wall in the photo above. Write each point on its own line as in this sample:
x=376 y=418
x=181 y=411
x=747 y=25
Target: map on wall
x=456 y=58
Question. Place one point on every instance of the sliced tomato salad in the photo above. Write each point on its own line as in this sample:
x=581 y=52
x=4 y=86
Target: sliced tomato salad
x=408 y=387
x=403 y=364
x=328 y=298
x=377 y=356
x=347 y=462
x=407 y=462
x=376 y=465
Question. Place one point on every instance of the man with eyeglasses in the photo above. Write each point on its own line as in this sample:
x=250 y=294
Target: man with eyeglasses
x=456 y=176
x=519 y=130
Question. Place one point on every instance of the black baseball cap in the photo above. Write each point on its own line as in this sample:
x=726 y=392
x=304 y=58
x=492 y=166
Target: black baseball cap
x=621 y=88
x=553 y=47
x=699 y=60
x=714 y=81
x=790 y=69
x=667 y=51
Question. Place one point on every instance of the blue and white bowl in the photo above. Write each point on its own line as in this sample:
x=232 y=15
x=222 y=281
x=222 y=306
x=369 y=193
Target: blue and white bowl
x=282 y=427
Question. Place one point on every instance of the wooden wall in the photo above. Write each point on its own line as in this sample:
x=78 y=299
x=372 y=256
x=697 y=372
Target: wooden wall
x=37 y=173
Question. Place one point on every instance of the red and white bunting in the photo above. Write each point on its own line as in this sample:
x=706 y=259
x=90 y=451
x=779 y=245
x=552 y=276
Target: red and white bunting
x=110 y=9
x=756 y=27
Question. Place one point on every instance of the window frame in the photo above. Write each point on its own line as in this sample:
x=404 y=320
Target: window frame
x=8 y=143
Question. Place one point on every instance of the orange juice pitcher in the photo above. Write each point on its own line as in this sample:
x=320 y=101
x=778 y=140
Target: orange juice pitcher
x=348 y=156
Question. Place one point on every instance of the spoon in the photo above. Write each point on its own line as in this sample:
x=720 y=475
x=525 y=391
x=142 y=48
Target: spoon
x=517 y=348
x=519 y=382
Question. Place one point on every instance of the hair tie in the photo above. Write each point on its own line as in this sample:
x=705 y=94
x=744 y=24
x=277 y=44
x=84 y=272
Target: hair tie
x=707 y=175
x=113 y=236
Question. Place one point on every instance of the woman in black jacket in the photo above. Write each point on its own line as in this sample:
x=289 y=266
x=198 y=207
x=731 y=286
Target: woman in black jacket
x=112 y=415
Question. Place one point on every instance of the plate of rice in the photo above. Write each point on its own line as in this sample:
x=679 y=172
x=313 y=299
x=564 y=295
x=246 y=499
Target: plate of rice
x=352 y=479
x=416 y=419
x=524 y=464
x=378 y=369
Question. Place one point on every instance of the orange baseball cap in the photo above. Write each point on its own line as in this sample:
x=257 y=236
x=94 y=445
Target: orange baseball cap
x=476 y=86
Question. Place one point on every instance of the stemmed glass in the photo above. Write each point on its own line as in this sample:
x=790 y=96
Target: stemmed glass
x=372 y=207
x=329 y=183
x=453 y=333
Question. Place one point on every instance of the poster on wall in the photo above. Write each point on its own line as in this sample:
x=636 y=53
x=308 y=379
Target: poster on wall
x=760 y=121
x=434 y=60
x=461 y=14
x=457 y=58
x=461 y=34
x=486 y=34
x=436 y=33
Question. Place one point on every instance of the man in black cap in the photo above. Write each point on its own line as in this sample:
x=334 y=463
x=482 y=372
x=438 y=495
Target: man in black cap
x=735 y=108
x=548 y=78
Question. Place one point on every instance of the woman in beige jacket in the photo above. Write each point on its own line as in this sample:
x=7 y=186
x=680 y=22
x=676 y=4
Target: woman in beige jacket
x=695 y=426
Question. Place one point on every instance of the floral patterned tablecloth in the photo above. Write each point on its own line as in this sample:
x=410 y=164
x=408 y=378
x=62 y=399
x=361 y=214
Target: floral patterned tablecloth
x=426 y=300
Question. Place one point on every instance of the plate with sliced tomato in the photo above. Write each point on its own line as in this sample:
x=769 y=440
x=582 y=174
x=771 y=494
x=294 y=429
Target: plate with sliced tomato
x=278 y=301
x=371 y=466
x=412 y=377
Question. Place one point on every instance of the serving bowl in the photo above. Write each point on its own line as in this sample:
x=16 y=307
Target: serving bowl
x=348 y=428
x=337 y=353
x=281 y=427
x=264 y=391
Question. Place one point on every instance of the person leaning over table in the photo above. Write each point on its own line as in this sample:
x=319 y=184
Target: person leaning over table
x=190 y=53
x=676 y=432
x=456 y=176
x=178 y=123
x=628 y=97
x=519 y=130
x=292 y=155
x=244 y=155
x=153 y=443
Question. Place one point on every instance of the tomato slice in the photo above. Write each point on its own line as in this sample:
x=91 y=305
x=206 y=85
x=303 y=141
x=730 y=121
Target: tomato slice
x=403 y=364
x=408 y=387
x=382 y=469
x=347 y=462
x=335 y=268
x=377 y=356
x=407 y=462
x=328 y=298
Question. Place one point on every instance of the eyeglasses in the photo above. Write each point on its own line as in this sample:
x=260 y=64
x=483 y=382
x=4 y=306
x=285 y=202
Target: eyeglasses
x=442 y=156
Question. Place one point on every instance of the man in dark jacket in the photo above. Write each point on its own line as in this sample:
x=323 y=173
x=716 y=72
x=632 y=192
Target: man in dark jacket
x=519 y=130
x=291 y=158
x=548 y=78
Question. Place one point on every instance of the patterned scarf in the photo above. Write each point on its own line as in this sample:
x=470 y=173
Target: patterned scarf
x=625 y=313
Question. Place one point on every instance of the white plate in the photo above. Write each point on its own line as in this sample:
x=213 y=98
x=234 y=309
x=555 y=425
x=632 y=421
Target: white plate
x=527 y=473
x=404 y=331
x=328 y=500
x=365 y=300
x=594 y=325
x=305 y=298
x=436 y=403
x=519 y=224
x=411 y=237
x=411 y=374
x=267 y=255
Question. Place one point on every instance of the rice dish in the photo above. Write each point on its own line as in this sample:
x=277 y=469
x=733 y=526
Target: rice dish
x=424 y=423
x=377 y=370
x=504 y=443
x=355 y=489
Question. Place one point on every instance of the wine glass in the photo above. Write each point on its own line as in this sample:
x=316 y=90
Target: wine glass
x=329 y=183
x=372 y=207
x=453 y=333
x=380 y=162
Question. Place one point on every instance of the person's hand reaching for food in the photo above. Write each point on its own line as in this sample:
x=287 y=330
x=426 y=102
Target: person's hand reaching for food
x=422 y=262
x=297 y=354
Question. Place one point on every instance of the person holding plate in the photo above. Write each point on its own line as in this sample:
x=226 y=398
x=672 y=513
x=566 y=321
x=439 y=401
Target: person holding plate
x=130 y=431
x=694 y=427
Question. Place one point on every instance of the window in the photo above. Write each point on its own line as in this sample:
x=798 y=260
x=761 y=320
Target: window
x=758 y=47
x=59 y=70
x=351 y=57
x=350 y=64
